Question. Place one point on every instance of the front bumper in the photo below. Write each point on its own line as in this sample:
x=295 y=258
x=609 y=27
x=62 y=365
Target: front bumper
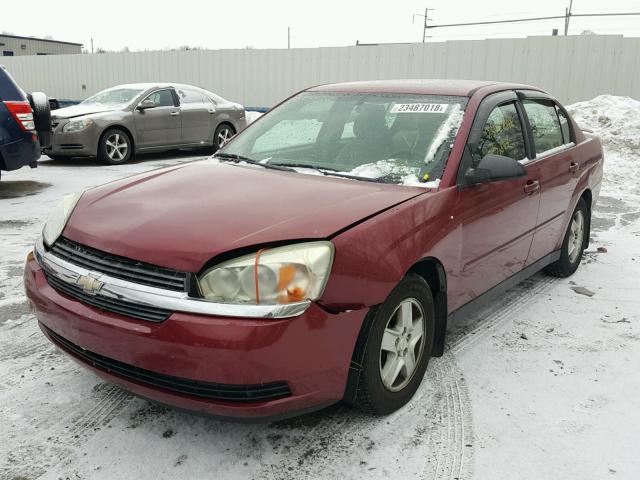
x=310 y=352
x=82 y=144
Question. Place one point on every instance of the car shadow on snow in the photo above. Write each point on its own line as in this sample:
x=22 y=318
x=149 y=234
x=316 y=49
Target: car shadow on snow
x=20 y=188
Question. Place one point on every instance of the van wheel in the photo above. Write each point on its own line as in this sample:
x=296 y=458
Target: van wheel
x=398 y=348
x=115 y=147
x=574 y=242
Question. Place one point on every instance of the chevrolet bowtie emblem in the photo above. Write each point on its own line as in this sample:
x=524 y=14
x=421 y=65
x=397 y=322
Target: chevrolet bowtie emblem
x=89 y=285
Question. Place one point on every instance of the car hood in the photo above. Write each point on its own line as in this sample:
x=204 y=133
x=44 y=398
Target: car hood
x=181 y=217
x=80 y=110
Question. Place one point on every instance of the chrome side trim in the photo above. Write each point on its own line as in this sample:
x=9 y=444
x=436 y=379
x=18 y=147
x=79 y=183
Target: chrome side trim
x=157 y=297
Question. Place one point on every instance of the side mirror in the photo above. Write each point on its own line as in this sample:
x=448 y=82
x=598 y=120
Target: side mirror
x=146 y=104
x=492 y=168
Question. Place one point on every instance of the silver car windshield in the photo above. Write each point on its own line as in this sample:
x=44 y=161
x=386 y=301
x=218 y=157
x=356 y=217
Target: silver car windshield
x=113 y=97
x=395 y=138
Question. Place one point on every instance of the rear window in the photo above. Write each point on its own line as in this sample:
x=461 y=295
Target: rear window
x=9 y=90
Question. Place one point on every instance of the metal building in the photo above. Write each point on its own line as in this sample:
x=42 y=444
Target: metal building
x=13 y=46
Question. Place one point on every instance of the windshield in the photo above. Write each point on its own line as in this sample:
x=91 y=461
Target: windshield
x=113 y=97
x=394 y=138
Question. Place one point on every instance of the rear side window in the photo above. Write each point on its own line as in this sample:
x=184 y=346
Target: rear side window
x=564 y=126
x=190 y=96
x=545 y=125
x=502 y=135
x=9 y=90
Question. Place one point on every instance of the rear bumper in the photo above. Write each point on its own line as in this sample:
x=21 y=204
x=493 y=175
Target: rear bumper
x=311 y=353
x=19 y=153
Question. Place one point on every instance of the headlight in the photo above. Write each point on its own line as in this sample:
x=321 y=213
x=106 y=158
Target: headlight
x=272 y=276
x=77 y=125
x=58 y=218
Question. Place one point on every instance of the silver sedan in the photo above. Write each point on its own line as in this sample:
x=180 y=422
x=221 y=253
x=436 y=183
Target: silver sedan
x=119 y=122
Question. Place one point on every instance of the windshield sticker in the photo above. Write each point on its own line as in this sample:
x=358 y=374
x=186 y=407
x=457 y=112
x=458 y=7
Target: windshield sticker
x=419 y=108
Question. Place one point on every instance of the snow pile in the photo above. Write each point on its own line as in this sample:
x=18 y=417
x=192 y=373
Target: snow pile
x=252 y=116
x=616 y=120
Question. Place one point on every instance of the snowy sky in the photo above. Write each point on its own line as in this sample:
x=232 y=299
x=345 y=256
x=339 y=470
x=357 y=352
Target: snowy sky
x=213 y=24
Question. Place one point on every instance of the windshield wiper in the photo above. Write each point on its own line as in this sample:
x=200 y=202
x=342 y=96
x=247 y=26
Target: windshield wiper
x=240 y=158
x=332 y=172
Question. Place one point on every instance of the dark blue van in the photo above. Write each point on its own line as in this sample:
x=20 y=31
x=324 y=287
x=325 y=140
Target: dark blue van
x=25 y=124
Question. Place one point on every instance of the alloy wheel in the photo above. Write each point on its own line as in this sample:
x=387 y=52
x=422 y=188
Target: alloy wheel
x=224 y=135
x=117 y=147
x=402 y=345
x=576 y=236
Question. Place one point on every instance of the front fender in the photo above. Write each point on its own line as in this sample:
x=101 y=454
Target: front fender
x=374 y=255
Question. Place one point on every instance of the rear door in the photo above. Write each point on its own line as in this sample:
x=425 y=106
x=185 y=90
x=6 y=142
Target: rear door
x=555 y=158
x=162 y=125
x=497 y=218
x=197 y=117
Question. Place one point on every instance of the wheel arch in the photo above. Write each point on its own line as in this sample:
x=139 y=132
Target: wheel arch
x=587 y=196
x=121 y=127
x=433 y=272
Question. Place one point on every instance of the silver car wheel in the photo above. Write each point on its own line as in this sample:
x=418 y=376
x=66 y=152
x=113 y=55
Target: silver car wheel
x=402 y=344
x=576 y=236
x=224 y=135
x=117 y=147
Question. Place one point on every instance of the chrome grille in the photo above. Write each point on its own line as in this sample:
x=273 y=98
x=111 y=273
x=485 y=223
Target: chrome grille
x=120 y=267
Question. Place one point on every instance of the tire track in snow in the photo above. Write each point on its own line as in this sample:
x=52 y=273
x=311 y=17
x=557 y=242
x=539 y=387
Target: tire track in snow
x=439 y=417
x=487 y=320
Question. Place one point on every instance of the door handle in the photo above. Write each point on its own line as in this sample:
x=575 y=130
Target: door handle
x=174 y=114
x=574 y=167
x=531 y=186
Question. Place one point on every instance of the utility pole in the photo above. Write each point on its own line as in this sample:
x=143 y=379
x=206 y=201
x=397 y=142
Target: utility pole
x=92 y=45
x=426 y=19
x=567 y=17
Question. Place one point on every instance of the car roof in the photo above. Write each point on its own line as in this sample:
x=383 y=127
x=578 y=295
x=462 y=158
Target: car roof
x=149 y=86
x=420 y=86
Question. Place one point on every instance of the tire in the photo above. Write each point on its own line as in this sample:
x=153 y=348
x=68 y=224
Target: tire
x=115 y=147
x=222 y=135
x=575 y=240
x=386 y=383
x=41 y=117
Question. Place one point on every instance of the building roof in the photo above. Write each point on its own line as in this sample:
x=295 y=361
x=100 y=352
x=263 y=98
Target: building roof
x=39 y=39
x=416 y=86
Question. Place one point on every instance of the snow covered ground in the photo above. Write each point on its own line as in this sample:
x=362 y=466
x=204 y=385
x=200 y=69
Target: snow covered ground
x=543 y=384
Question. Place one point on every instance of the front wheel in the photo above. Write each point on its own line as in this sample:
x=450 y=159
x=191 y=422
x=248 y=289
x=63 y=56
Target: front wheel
x=398 y=348
x=115 y=147
x=573 y=243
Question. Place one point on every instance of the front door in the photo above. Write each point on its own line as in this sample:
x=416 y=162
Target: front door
x=558 y=166
x=161 y=125
x=497 y=218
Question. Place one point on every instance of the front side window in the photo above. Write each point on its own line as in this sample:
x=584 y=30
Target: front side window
x=394 y=138
x=114 y=97
x=162 y=98
x=501 y=135
x=545 y=125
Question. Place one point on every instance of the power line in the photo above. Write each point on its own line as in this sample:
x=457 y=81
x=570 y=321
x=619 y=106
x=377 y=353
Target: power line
x=554 y=17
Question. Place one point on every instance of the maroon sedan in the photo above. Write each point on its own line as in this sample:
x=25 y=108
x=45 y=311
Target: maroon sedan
x=321 y=254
